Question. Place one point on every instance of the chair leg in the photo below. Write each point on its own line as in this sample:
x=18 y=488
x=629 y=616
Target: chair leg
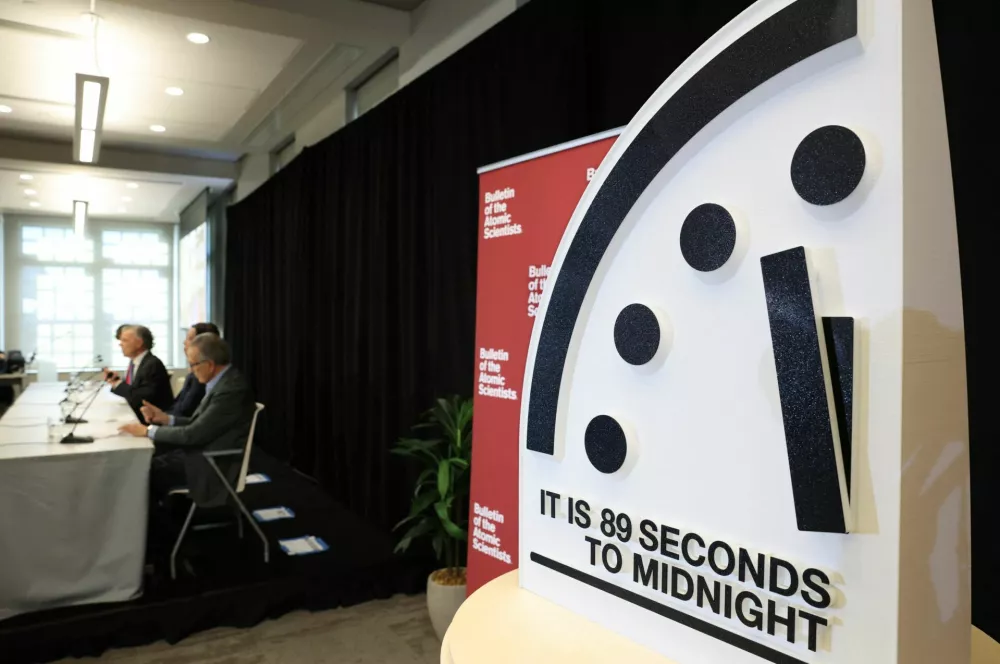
x=243 y=508
x=180 y=539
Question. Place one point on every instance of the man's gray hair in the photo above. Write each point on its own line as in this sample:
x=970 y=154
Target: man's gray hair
x=143 y=333
x=212 y=348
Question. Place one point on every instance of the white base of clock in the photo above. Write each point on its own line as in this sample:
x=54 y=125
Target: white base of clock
x=502 y=623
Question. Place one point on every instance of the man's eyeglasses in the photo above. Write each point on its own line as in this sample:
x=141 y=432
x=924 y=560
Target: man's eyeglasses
x=197 y=363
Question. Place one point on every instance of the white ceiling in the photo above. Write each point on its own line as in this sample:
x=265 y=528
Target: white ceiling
x=45 y=43
x=269 y=66
x=110 y=194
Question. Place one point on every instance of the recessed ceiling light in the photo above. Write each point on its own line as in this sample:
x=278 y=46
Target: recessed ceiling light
x=35 y=204
x=30 y=192
x=126 y=199
x=27 y=177
x=6 y=109
x=198 y=38
x=174 y=92
x=159 y=129
x=132 y=185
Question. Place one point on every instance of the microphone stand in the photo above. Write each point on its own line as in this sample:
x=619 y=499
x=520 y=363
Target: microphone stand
x=71 y=438
x=78 y=382
x=80 y=386
x=69 y=419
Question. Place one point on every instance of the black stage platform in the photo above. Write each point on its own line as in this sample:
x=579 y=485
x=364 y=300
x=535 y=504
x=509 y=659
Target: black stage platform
x=225 y=583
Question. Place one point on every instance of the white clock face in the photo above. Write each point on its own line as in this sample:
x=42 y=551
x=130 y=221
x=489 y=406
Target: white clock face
x=703 y=358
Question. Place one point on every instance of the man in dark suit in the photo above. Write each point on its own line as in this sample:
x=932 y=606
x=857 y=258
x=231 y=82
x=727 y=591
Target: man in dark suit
x=145 y=379
x=193 y=391
x=221 y=422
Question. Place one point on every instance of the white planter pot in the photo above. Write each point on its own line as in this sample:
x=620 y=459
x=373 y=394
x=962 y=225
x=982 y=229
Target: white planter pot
x=442 y=604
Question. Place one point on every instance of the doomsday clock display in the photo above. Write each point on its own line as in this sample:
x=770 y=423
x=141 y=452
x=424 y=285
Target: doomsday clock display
x=743 y=432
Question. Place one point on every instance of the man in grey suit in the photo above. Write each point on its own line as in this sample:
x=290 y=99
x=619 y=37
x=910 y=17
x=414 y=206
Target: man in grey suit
x=221 y=422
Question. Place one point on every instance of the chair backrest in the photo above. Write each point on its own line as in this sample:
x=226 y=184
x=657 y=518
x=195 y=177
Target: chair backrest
x=242 y=481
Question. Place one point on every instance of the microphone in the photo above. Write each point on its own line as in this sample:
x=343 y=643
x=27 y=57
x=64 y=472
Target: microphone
x=71 y=438
x=77 y=383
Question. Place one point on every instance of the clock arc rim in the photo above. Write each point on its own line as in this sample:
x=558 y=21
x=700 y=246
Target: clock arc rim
x=791 y=35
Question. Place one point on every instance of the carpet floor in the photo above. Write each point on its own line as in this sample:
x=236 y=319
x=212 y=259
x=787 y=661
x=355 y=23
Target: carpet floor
x=392 y=631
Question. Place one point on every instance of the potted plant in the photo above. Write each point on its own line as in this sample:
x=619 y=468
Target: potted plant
x=440 y=508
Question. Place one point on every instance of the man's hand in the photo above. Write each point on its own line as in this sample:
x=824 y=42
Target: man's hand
x=152 y=414
x=134 y=429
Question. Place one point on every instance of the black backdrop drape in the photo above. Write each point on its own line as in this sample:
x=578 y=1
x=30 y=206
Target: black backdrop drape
x=350 y=279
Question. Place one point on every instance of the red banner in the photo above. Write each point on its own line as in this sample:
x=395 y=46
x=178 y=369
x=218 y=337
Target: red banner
x=525 y=205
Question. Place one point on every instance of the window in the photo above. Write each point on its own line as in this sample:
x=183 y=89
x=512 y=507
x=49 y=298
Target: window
x=375 y=87
x=194 y=277
x=74 y=293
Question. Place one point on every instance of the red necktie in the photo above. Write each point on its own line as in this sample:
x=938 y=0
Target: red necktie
x=128 y=374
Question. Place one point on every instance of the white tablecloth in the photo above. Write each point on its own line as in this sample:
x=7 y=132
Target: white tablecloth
x=72 y=517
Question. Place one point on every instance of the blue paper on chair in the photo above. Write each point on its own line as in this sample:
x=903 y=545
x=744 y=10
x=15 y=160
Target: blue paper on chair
x=273 y=514
x=258 y=478
x=303 y=546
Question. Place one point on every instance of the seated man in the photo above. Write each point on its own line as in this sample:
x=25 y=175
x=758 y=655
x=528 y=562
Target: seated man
x=146 y=379
x=221 y=422
x=193 y=392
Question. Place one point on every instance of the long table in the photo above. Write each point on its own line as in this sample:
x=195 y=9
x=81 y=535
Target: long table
x=72 y=517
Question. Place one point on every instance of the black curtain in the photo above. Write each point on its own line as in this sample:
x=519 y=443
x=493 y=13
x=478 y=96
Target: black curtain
x=350 y=279
x=351 y=274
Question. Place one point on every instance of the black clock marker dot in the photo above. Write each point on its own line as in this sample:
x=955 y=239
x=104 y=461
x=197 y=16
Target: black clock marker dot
x=827 y=165
x=708 y=237
x=637 y=334
x=605 y=444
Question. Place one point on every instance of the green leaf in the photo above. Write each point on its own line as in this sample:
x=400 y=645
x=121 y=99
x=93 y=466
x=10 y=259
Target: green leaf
x=444 y=415
x=422 y=449
x=454 y=531
x=399 y=451
x=438 y=544
x=419 y=443
x=420 y=529
x=418 y=446
x=420 y=504
x=459 y=463
x=425 y=477
x=444 y=478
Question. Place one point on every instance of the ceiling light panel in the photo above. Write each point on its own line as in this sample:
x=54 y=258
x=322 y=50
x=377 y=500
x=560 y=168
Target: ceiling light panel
x=91 y=98
x=79 y=217
x=91 y=106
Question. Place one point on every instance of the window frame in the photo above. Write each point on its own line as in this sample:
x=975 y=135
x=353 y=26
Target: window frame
x=182 y=325
x=16 y=261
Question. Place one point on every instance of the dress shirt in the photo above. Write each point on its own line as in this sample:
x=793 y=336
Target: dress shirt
x=209 y=386
x=135 y=364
